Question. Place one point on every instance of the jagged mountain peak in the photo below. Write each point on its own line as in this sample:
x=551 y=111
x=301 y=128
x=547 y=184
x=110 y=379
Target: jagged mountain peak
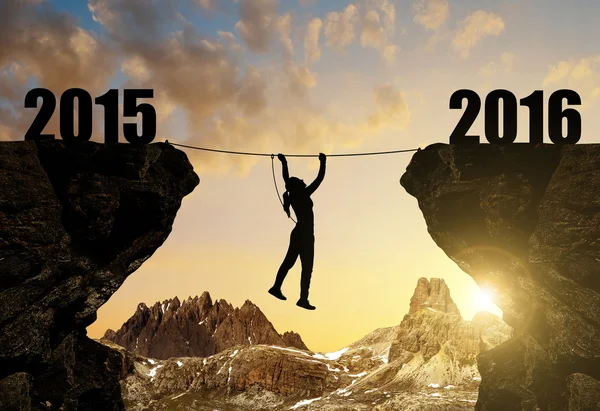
x=249 y=304
x=434 y=342
x=197 y=327
x=205 y=297
x=433 y=294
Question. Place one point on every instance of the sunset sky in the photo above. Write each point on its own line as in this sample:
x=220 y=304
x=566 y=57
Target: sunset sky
x=299 y=76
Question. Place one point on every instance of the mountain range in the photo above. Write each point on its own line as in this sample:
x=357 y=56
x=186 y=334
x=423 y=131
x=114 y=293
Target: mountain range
x=197 y=327
x=204 y=356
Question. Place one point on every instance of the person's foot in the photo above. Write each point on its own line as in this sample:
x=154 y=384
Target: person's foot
x=305 y=304
x=276 y=292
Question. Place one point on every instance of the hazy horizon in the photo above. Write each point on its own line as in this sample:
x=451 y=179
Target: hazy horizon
x=490 y=308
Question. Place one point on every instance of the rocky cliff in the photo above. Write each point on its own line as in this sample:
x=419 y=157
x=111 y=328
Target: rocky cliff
x=433 y=294
x=197 y=328
x=524 y=221
x=436 y=346
x=75 y=220
x=426 y=330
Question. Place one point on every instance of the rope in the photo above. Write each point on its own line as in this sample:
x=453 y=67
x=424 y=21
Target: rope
x=246 y=153
x=275 y=182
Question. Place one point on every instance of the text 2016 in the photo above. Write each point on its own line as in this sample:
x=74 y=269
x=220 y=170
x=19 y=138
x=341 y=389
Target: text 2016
x=535 y=103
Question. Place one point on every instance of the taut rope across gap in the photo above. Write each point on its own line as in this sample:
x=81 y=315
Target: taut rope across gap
x=247 y=153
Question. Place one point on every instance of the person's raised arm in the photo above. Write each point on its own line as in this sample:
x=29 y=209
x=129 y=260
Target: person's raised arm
x=284 y=167
x=315 y=184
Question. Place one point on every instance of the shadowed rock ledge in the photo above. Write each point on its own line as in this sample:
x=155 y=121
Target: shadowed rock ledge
x=525 y=223
x=75 y=220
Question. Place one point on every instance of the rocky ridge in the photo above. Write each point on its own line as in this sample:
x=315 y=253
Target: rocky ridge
x=197 y=327
x=76 y=218
x=428 y=362
x=524 y=221
x=433 y=294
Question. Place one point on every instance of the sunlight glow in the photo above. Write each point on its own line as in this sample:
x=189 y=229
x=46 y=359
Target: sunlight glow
x=483 y=300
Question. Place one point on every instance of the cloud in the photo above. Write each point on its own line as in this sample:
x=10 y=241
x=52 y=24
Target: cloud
x=389 y=53
x=136 y=68
x=505 y=64
x=230 y=40
x=312 y=49
x=582 y=75
x=340 y=27
x=52 y=47
x=379 y=24
x=573 y=71
x=208 y=4
x=38 y=42
x=203 y=79
x=251 y=97
x=227 y=102
x=474 y=28
x=255 y=25
x=305 y=128
x=558 y=72
x=223 y=99
x=195 y=73
x=298 y=78
x=431 y=14
x=507 y=60
x=283 y=25
x=133 y=21
x=373 y=34
x=391 y=109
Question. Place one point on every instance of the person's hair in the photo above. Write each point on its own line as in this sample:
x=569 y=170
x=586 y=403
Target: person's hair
x=292 y=185
x=286 y=203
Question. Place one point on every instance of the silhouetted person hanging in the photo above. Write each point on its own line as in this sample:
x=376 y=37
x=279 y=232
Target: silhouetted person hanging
x=302 y=239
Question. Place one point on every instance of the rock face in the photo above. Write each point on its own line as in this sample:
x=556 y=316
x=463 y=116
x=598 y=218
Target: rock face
x=525 y=222
x=75 y=220
x=197 y=328
x=292 y=339
x=284 y=372
x=433 y=294
x=427 y=363
x=437 y=346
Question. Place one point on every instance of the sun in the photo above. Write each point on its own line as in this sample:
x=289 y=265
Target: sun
x=483 y=300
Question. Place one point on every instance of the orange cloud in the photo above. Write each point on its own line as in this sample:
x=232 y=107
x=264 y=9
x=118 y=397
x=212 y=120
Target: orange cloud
x=431 y=14
x=340 y=27
x=226 y=102
x=474 y=28
x=312 y=49
x=256 y=21
x=38 y=42
x=379 y=24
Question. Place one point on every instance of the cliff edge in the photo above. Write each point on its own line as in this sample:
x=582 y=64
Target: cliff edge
x=524 y=221
x=75 y=220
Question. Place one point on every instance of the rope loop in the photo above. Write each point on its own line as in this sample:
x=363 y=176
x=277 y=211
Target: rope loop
x=275 y=182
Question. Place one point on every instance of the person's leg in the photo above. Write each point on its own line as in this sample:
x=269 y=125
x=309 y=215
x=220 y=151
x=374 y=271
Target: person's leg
x=286 y=265
x=307 y=254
